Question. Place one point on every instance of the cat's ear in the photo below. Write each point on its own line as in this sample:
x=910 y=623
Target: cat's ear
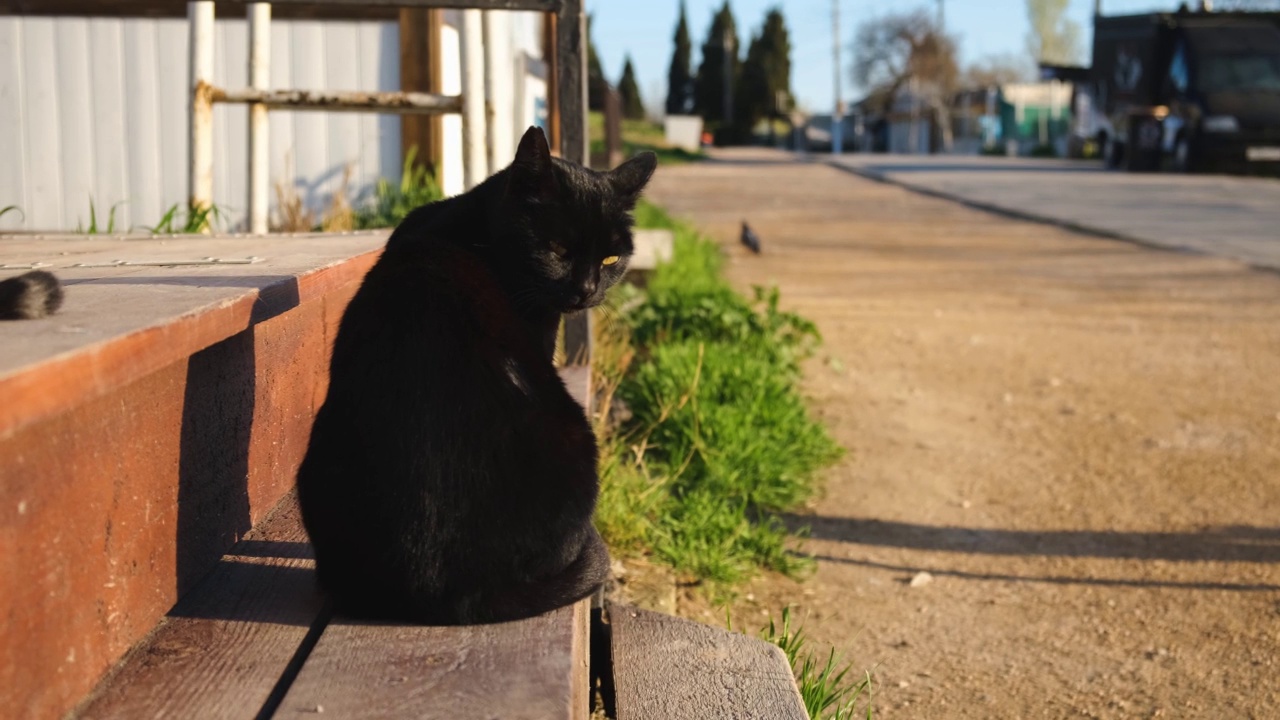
x=531 y=174
x=630 y=177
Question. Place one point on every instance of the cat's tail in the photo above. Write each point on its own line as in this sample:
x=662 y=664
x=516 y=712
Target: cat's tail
x=29 y=296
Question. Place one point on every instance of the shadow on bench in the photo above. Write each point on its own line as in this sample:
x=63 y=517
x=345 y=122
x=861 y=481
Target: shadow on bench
x=253 y=640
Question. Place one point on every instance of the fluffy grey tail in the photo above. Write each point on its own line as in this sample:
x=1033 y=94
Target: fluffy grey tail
x=29 y=296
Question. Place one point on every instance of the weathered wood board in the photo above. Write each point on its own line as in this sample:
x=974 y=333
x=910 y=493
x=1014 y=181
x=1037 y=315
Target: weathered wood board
x=669 y=668
x=222 y=651
x=533 y=669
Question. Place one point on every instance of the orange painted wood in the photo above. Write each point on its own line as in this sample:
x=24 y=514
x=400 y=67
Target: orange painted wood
x=119 y=324
x=131 y=463
x=222 y=651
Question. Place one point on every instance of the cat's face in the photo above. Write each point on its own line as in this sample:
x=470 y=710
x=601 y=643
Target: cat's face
x=572 y=225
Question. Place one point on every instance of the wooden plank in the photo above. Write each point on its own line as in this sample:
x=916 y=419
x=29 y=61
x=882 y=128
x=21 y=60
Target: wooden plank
x=96 y=545
x=533 y=669
x=221 y=652
x=669 y=668
x=119 y=324
x=312 y=9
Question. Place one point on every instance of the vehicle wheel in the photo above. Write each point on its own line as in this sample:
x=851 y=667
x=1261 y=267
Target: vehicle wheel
x=1112 y=154
x=1182 y=155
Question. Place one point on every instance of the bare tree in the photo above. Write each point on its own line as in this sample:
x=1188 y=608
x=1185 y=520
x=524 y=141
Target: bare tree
x=1054 y=37
x=899 y=50
x=997 y=70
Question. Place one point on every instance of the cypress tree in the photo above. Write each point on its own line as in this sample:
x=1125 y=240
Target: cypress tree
x=708 y=93
x=632 y=102
x=765 y=87
x=680 y=76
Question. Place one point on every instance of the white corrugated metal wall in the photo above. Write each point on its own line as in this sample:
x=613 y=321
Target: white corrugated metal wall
x=96 y=108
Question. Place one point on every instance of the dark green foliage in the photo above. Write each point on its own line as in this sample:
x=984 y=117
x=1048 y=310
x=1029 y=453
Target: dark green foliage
x=680 y=76
x=720 y=440
x=708 y=93
x=629 y=90
x=765 y=86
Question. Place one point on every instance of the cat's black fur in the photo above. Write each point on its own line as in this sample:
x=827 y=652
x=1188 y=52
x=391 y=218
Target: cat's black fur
x=30 y=296
x=451 y=478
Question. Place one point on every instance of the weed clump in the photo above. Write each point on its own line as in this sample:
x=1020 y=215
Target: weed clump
x=719 y=441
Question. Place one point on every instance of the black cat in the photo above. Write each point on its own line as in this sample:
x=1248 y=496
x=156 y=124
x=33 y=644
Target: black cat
x=451 y=478
x=30 y=296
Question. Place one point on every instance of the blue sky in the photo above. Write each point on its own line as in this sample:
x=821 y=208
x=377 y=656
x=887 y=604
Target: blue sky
x=645 y=29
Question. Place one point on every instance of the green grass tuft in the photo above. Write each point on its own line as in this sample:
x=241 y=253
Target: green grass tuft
x=93 y=228
x=187 y=221
x=829 y=690
x=719 y=441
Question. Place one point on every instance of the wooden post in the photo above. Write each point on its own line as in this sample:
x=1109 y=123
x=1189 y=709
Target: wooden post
x=259 y=128
x=571 y=42
x=200 y=20
x=420 y=71
x=474 y=157
x=612 y=129
x=551 y=55
x=571 y=37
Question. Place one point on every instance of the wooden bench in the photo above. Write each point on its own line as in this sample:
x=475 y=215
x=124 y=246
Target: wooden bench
x=152 y=552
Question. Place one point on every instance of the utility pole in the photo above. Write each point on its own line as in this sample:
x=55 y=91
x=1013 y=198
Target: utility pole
x=942 y=16
x=837 y=117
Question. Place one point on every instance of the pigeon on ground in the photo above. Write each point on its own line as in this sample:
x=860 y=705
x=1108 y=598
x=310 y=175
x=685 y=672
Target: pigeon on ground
x=750 y=239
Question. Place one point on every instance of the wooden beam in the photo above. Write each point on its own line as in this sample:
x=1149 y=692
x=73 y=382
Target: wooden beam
x=285 y=9
x=551 y=55
x=537 y=5
x=234 y=9
x=524 y=670
x=669 y=668
x=421 y=71
x=342 y=100
x=220 y=653
x=571 y=38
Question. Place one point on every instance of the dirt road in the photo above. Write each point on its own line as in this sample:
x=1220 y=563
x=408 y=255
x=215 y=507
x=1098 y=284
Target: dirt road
x=1078 y=439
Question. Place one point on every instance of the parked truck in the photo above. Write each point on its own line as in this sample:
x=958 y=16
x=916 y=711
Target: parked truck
x=1188 y=91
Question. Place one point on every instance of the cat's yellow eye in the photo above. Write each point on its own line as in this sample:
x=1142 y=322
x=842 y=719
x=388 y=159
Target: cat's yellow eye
x=559 y=249
x=611 y=260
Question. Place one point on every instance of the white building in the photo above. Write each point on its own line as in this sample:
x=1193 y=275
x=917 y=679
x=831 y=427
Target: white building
x=95 y=109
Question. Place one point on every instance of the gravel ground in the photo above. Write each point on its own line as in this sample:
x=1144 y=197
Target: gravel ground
x=1061 y=495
